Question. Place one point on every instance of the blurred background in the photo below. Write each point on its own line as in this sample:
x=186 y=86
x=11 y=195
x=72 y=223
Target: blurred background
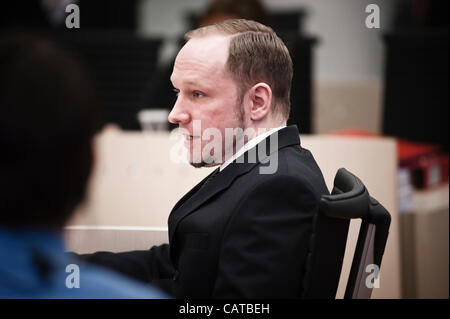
x=349 y=80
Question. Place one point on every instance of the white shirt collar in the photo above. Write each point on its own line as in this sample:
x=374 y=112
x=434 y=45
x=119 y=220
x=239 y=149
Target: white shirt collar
x=249 y=145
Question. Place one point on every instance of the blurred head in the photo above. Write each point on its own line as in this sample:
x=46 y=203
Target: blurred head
x=235 y=74
x=47 y=121
x=221 y=10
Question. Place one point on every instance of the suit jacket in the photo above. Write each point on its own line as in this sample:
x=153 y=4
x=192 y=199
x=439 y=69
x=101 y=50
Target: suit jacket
x=243 y=234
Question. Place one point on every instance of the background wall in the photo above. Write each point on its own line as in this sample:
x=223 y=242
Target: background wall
x=348 y=58
x=347 y=49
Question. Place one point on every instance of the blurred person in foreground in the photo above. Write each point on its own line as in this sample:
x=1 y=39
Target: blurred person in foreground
x=244 y=231
x=48 y=119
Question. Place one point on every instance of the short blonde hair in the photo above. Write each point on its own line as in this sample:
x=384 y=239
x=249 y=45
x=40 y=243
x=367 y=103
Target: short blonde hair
x=256 y=54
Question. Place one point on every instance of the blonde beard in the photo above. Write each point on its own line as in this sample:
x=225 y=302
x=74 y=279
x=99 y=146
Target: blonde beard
x=211 y=161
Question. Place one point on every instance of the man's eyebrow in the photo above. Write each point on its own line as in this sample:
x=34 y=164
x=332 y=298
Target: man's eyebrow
x=190 y=82
x=198 y=84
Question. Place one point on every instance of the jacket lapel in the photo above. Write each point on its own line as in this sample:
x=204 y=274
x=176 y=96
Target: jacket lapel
x=198 y=195
x=223 y=180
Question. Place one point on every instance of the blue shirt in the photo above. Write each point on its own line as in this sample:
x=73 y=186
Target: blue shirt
x=33 y=265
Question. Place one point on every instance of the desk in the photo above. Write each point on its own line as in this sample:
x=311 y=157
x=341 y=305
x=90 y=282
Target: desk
x=425 y=244
x=135 y=185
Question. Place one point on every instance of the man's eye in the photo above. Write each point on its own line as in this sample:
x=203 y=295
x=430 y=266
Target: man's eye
x=197 y=94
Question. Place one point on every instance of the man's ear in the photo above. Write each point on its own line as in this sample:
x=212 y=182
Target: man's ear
x=260 y=101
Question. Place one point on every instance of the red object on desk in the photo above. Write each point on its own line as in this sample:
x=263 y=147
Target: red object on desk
x=428 y=165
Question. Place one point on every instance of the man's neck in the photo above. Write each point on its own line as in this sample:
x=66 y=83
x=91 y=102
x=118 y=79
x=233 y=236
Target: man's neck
x=259 y=135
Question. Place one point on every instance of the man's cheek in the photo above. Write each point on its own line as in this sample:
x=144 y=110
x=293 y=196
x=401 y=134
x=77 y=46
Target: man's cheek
x=212 y=145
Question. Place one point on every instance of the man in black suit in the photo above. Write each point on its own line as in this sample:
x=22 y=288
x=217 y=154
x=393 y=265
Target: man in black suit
x=244 y=230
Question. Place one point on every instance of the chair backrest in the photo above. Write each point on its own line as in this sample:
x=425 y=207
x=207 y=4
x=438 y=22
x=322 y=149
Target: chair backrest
x=349 y=199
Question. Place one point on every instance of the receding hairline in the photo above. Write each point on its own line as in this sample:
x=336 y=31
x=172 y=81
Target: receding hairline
x=226 y=41
x=228 y=28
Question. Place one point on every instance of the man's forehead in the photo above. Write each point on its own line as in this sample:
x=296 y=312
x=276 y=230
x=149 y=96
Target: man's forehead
x=205 y=45
x=208 y=53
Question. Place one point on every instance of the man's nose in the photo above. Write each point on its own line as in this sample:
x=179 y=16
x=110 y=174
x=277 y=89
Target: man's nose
x=179 y=115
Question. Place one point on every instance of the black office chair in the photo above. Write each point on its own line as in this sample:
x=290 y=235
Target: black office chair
x=349 y=199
